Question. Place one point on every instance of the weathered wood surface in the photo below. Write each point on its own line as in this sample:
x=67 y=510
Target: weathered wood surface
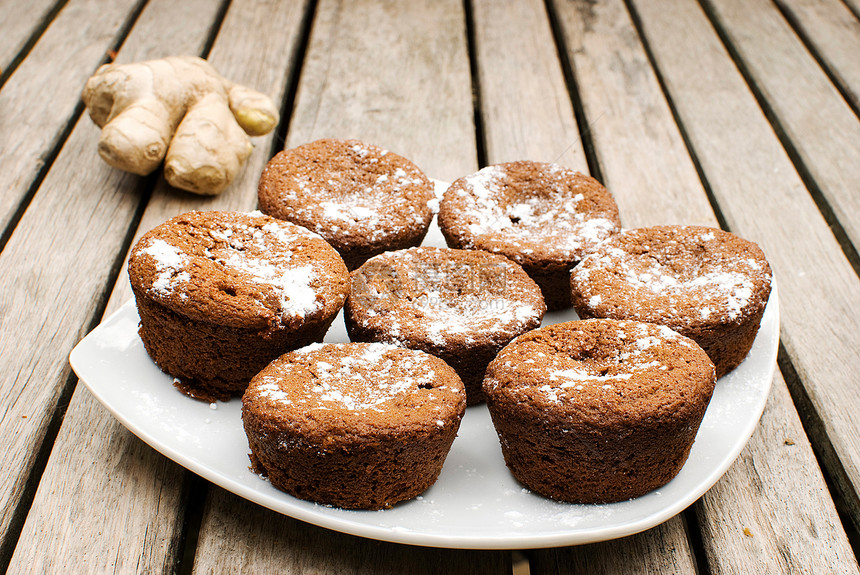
x=637 y=145
x=21 y=25
x=149 y=482
x=119 y=484
x=394 y=93
x=239 y=538
x=664 y=140
x=662 y=549
x=36 y=114
x=525 y=105
x=820 y=127
x=832 y=32
x=775 y=482
x=854 y=6
x=63 y=271
x=763 y=198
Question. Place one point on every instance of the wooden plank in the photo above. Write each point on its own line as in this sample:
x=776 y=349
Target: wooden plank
x=21 y=23
x=128 y=488
x=638 y=146
x=34 y=119
x=70 y=264
x=342 y=58
x=854 y=6
x=131 y=524
x=397 y=94
x=763 y=199
x=832 y=32
x=775 y=472
x=524 y=103
x=822 y=129
x=285 y=545
x=663 y=549
x=65 y=518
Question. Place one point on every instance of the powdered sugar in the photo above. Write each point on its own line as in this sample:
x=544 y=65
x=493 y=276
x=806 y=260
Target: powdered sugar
x=491 y=319
x=367 y=379
x=273 y=392
x=573 y=375
x=680 y=272
x=446 y=300
x=351 y=213
x=280 y=232
x=169 y=264
x=292 y=286
x=639 y=351
x=255 y=252
x=557 y=225
x=735 y=287
x=364 y=194
x=613 y=369
x=731 y=287
x=250 y=252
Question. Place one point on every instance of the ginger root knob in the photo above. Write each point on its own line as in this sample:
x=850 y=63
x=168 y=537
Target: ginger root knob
x=179 y=110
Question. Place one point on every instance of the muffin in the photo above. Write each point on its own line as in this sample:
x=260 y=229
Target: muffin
x=362 y=199
x=544 y=217
x=221 y=294
x=354 y=425
x=705 y=283
x=462 y=306
x=598 y=411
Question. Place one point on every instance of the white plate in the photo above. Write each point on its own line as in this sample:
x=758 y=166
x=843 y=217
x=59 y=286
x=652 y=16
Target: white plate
x=475 y=504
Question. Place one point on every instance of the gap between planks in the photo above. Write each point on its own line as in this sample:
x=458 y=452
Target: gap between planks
x=20 y=193
x=16 y=43
x=82 y=134
x=831 y=39
x=826 y=192
x=751 y=169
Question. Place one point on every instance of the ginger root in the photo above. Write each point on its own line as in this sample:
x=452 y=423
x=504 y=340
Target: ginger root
x=180 y=110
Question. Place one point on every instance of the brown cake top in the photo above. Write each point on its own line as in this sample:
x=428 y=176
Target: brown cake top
x=239 y=269
x=444 y=297
x=681 y=276
x=604 y=372
x=350 y=388
x=347 y=191
x=533 y=213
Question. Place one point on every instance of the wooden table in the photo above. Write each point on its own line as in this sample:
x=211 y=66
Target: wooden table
x=737 y=113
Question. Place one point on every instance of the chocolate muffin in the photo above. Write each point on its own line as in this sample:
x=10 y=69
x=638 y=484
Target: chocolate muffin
x=463 y=306
x=705 y=283
x=598 y=411
x=354 y=425
x=221 y=294
x=362 y=199
x=543 y=216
